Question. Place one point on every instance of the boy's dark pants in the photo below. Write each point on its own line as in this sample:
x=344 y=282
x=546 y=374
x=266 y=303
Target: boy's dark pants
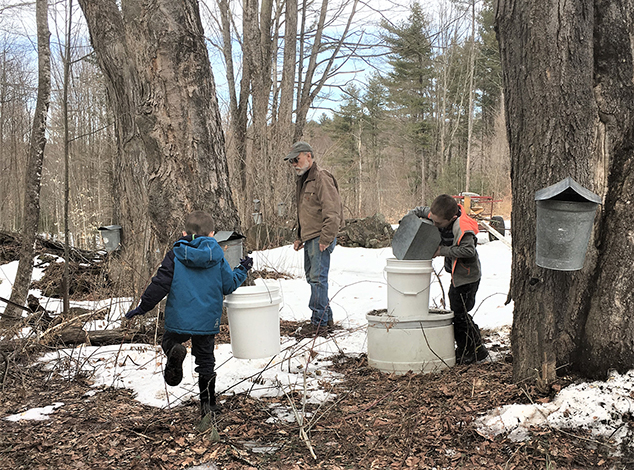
x=203 y=352
x=466 y=332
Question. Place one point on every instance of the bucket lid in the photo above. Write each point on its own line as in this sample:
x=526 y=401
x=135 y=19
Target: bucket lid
x=415 y=239
x=567 y=190
x=227 y=235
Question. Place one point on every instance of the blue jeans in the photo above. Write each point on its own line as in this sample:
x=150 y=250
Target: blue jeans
x=316 y=265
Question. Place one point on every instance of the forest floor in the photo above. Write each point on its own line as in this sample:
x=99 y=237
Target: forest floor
x=376 y=421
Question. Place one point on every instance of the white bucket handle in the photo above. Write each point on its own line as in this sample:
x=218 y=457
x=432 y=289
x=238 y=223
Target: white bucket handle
x=268 y=291
x=405 y=293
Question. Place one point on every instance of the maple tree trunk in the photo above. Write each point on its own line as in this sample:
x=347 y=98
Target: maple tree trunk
x=171 y=155
x=568 y=101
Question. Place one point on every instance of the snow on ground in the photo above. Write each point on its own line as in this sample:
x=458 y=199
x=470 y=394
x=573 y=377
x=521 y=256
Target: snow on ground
x=35 y=414
x=596 y=406
x=357 y=286
x=7 y=275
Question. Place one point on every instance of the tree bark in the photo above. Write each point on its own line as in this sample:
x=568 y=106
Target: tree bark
x=171 y=156
x=608 y=340
x=285 y=115
x=257 y=50
x=34 y=168
x=66 y=84
x=567 y=69
x=238 y=104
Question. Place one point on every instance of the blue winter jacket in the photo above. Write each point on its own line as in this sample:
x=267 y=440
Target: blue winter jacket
x=195 y=276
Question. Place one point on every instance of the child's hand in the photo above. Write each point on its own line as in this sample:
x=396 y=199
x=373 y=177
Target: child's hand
x=134 y=312
x=246 y=263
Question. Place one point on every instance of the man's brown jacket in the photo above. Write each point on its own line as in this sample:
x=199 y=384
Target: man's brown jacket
x=319 y=208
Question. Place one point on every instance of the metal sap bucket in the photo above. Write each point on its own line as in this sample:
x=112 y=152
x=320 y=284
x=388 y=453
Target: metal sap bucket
x=111 y=236
x=565 y=217
x=232 y=244
x=415 y=239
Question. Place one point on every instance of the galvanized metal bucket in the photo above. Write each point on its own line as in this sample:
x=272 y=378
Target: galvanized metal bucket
x=565 y=217
x=415 y=239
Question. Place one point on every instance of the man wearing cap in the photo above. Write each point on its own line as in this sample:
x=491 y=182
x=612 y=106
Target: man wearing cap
x=319 y=217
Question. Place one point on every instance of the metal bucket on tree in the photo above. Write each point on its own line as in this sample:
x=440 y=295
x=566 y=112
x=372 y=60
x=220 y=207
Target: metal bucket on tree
x=565 y=217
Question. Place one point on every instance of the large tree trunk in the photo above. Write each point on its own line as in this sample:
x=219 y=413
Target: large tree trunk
x=608 y=340
x=568 y=101
x=34 y=168
x=171 y=156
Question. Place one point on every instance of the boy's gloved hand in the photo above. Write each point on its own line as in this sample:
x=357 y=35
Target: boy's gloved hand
x=246 y=263
x=134 y=313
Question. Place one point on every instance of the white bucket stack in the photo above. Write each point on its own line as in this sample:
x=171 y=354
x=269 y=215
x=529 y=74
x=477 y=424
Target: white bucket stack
x=254 y=322
x=410 y=336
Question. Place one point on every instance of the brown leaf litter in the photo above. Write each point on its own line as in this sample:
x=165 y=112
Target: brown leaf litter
x=376 y=421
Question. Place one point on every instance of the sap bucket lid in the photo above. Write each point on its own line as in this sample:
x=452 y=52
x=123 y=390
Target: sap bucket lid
x=415 y=238
x=567 y=190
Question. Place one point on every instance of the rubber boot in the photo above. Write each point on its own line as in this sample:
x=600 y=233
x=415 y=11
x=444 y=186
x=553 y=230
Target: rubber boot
x=474 y=350
x=460 y=330
x=174 y=368
x=207 y=386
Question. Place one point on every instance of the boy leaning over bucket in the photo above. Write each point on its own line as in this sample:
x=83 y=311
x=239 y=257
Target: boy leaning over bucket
x=458 y=246
x=194 y=276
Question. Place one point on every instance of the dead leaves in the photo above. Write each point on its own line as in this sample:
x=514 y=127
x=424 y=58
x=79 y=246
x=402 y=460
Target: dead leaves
x=377 y=421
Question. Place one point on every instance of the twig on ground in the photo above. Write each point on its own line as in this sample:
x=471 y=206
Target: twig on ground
x=300 y=420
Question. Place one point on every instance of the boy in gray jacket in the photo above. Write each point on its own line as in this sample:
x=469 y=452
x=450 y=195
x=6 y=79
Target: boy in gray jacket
x=458 y=246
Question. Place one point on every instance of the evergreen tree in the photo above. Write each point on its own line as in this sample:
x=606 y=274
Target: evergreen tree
x=410 y=88
x=374 y=139
x=410 y=81
x=346 y=127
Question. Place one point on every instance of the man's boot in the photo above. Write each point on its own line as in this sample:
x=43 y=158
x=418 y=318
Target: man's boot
x=174 y=368
x=207 y=386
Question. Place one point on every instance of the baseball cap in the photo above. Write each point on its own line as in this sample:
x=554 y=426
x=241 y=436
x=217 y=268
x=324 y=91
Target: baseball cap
x=297 y=148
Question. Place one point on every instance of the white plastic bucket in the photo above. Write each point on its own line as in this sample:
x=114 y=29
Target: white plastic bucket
x=420 y=345
x=408 y=284
x=254 y=321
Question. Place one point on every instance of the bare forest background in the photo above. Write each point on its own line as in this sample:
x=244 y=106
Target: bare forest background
x=400 y=106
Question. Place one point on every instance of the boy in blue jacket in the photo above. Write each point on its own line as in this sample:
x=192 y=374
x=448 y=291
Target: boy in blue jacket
x=194 y=276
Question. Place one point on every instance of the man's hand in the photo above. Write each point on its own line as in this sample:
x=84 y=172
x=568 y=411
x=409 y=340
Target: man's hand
x=322 y=247
x=134 y=312
x=437 y=252
x=298 y=245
